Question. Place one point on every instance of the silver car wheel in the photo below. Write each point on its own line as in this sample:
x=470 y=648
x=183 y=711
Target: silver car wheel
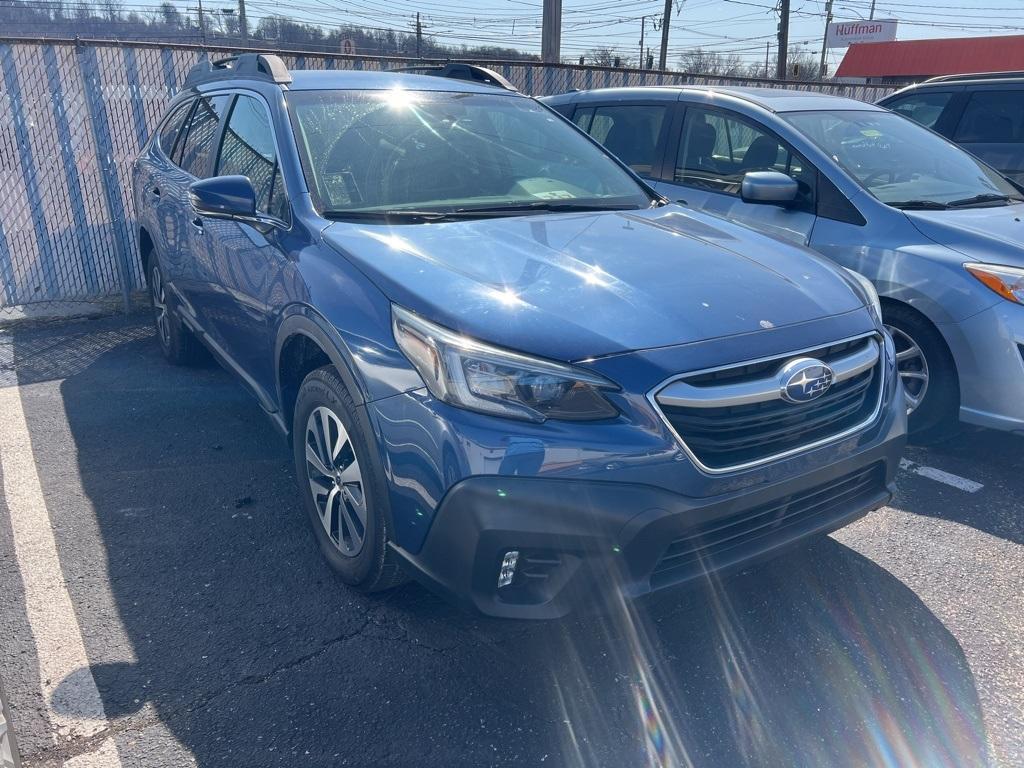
x=163 y=321
x=335 y=481
x=912 y=367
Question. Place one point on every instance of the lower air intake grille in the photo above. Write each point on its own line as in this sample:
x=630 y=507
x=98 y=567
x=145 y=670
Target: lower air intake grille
x=718 y=542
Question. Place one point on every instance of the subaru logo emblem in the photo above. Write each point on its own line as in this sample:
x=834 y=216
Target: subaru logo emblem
x=803 y=380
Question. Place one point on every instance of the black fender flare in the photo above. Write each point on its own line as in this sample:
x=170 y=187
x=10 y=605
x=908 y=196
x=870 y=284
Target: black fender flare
x=304 y=320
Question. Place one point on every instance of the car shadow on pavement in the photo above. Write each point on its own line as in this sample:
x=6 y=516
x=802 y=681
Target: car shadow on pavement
x=982 y=455
x=228 y=630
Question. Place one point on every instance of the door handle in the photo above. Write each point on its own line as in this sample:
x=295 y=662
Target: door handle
x=197 y=223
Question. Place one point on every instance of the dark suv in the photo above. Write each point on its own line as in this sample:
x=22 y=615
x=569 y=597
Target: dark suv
x=506 y=365
x=983 y=113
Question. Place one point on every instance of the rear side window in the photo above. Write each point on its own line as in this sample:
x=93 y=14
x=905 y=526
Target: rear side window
x=172 y=125
x=248 y=150
x=924 y=108
x=197 y=150
x=630 y=132
x=992 y=117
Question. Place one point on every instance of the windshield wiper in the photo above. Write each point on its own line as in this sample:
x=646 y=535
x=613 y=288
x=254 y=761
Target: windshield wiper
x=399 y=215
x=402 y=216
x=919 y=205
x=547 y=205
x=988 y=197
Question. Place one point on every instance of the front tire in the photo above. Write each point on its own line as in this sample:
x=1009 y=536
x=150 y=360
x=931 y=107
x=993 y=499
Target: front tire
x=176 y=343
x=927 y=372
x=341 y=481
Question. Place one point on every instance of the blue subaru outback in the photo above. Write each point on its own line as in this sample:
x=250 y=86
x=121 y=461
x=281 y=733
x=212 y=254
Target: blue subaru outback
x=505 y=365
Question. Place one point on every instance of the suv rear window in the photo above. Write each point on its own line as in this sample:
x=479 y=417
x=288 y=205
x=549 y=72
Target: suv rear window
x=991 y=117
x=169 y=130
x=924 y=108
x=202 y=134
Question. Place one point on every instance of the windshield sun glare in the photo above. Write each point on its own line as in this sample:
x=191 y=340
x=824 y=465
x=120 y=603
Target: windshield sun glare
x=422 y=152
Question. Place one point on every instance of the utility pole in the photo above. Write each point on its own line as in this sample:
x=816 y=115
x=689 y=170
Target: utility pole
x=824 y=40
x=551 y=32
x=419 y=34
x=243 y=26
x=643 y=27
x=663 y=56
x=780 y=67
x=202 y=24
x=767 y=51
x=872 y=14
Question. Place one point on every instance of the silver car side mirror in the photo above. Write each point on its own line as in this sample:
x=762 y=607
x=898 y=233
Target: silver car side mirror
x=769 y=187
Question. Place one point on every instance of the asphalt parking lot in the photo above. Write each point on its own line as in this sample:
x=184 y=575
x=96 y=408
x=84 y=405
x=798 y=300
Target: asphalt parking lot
x=162 y=603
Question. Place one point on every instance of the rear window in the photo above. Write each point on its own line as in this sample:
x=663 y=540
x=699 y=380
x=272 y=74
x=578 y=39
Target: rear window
x=630 y=132
x=924 y=108
x=172 y=125
x=992 y=117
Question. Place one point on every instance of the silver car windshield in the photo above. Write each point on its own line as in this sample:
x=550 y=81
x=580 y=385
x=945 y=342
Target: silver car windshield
x=901 y=163
x=400 y=151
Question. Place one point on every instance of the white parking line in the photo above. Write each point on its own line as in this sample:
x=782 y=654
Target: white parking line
x=69 y=691
x=938 y=475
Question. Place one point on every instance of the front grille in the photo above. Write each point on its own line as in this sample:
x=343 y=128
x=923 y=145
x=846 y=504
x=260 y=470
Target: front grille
x=759 y=369
x=719 y=542
x=738 y=435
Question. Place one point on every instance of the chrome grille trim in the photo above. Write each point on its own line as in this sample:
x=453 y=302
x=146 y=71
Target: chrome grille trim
x=683 y=394
x=687 y=395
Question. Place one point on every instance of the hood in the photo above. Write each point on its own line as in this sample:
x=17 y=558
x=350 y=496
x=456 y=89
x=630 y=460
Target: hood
x=576 y=286
x=994 y=235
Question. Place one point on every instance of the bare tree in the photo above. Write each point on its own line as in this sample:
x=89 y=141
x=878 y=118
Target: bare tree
x=111 y=10
x=603 y=57
x=700 y=61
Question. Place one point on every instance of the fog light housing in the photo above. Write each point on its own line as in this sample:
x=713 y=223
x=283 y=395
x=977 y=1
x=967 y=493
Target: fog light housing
x=508 y=568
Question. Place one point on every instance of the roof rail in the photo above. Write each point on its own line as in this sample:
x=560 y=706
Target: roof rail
x=974 y=76
x=259 y=66
x=459 y=71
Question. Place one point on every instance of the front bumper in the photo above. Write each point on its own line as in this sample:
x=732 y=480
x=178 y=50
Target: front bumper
x=581 y=541
x=989 y=352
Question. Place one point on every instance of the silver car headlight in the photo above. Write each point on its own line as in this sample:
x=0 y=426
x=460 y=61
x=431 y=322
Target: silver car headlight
x=477 y=376
x=870 y=294
x=1008 y=282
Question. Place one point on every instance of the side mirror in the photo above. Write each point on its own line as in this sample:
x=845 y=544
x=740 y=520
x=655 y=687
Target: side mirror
x=224 y=197
x=769 y=187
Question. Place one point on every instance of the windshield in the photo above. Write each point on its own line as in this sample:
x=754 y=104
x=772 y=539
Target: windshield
x=901 y=163
x=423 y=151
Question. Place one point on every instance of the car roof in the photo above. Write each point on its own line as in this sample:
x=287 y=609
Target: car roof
x=771 y=99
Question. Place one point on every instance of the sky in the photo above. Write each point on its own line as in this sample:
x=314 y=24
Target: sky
x=729 y=26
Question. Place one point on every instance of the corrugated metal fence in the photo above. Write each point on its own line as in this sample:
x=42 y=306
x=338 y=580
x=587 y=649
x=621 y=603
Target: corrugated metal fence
x=74 y=114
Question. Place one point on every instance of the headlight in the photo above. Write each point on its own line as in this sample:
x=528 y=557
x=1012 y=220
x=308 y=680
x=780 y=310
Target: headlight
x=477 y=376
x=1008 y=282
x=870 y=294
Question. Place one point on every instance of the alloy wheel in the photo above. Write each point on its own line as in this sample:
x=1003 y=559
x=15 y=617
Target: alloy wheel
x=335 y=481
x=163 y=321
x=912 y=367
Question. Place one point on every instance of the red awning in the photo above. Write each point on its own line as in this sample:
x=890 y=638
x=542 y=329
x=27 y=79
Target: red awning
x=926 y=58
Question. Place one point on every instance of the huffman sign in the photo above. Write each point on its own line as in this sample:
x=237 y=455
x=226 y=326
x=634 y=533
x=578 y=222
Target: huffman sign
x=842 y=33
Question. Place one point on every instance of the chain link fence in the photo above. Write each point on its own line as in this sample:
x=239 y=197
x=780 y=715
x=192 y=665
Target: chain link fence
x=75 y=114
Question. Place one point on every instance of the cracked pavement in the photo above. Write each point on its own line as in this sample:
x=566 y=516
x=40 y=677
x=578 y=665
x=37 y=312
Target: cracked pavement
x=216 y=636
